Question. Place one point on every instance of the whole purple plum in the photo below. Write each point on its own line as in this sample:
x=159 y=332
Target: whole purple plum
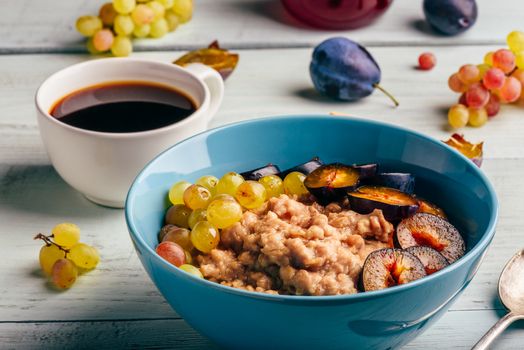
x=450 y=17
x=344 y=70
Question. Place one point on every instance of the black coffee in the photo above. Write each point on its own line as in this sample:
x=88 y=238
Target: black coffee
x=120 y=107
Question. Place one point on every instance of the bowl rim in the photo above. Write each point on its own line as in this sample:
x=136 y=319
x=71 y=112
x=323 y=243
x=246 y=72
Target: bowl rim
x=471 y=254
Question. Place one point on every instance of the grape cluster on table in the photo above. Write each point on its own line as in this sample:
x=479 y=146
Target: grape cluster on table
x=199 y=211
x=484 y=87
x=120 y=20
x=63 y=256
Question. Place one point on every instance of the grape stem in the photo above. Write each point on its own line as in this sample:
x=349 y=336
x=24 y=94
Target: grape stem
x=387 y=94
x=48 y=241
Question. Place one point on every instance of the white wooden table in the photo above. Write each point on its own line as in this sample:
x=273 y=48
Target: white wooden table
x=116 y=305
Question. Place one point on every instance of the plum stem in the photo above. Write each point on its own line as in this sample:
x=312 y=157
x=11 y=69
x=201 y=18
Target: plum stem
x=387 y=94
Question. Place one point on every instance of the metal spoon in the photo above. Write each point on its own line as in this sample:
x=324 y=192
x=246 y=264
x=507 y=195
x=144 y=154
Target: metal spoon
x=511 y=293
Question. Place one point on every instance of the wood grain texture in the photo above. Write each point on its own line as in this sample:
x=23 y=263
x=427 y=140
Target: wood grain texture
x=48 y=26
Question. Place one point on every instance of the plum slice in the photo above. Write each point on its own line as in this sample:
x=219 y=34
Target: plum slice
x=427 y=207
x=330 y=183
x=256 y=174
x=390 y=267
x=367 y=171
x=473 y=151
x=432 y=231
x=404 y=182
x=304 y=168
x=432 y=260
x=395 y=205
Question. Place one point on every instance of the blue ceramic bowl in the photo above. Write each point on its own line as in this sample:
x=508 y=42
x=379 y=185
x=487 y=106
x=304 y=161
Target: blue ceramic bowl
x=374 y=320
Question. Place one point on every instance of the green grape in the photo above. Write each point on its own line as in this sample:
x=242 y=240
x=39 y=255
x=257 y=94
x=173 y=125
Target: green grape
x=90 y=47
x=189 y=258
x=49 y=254
x=179 y=236
x=229 y=183
x=123 y=25
x=210 y=182
x=103 y=39
x=157 y=8
x=124 y=6
x=159 y=28
x=167 y=3
x=64 y=273
x=204 y=236
x=183 y=9
x=142 y=31
x=477 y=117
x=224 y=197
x=107 y=14
x=171 y=252
x=196 y=197
x=196 y=216
x=142 y=14
x=294 y=184
x=84 y=256
x=273 y=184
x=224 y=212
x=122 y=46
x=172 y=20
x=251 y=194
x=458 y=116
x=178 y=215
x=88 y=25
x=193 y=270
x=519 y=59
x=66 y=234
x=515 y=41
x=488 y=58
x=176 y=192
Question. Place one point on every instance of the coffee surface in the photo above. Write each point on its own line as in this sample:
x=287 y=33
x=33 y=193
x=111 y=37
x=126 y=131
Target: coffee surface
x=122 y=107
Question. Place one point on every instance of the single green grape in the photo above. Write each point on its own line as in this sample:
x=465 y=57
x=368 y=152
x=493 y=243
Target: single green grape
x=124 y=6
x=157 y=8
x=224 y=197
x=88 y=25
x=172 y=20
x=66 y=234
x=183 y=9
x=251 y=194
x=193 y=270
x=159 y=28
x=196 y=216
x=49 y=254
x=141 y=31
x=210 y=182
x=178 y=215
x=179 y=236
x=142 y=14
x=167 y=3
x=122 y=46
x=84 y=256
x=176 y=192
x=458 y=116
x=64 y=273
x=204 y=236
x=224 y=212
x=273 y=184
x=123 y=25
x=196 y=197
x=229 y=183
x=515 y=41
x=294 y=184
x=477 y=116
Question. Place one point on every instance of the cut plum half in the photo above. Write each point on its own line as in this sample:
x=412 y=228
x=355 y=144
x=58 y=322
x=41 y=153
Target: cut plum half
x=432 y=260
x=473 y=151
x=367 y=171
x=429 y=208
x=258 y=173
x=330 y=183
x=390 y=267
x=304 y=168
x=404 y=182
x=395 y=205
x=432 y=231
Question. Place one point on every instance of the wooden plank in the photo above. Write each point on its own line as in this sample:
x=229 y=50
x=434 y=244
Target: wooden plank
x=252 y=92
x=48 y=26
x=456 y=330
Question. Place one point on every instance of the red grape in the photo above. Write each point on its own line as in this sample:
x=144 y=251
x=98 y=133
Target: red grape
x=504 y=59
x=427 y=61
x=171 y=252
x=493 y=106
x=462 y=100
x=494 y=78
x=455 y=84
x=510 y=91
x=477 y=96
x=469 y=73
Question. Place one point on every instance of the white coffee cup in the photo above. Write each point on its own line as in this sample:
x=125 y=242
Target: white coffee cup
x=103 y=165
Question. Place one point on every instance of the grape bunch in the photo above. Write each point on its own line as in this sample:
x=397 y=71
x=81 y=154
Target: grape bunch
x=200 y=210
x=63 y=256
x=120 y=20
x=484 y=87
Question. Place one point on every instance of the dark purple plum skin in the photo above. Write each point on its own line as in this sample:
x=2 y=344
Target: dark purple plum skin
x=304 y=168
x=342 y=69
x=375 y=271
x=256 y=174
x=392 y=212
x=404 y=182
x=367 y=171
x=450 y=17
x=432 y=260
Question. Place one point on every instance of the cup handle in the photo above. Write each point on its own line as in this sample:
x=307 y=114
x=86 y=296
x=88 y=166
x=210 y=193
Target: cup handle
x=215 y=84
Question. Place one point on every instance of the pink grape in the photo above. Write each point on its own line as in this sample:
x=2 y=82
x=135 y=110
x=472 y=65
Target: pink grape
x=519 y=75
x=494 y=79
x=477 y=96
x=103 y=40
x=504 y=59
x=469 y=73
x=455 y=84
x=510 y=91
x=427 y=61
x=493 y=106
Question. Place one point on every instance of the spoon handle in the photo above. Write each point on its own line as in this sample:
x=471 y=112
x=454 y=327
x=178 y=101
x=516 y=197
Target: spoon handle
x=494 y=331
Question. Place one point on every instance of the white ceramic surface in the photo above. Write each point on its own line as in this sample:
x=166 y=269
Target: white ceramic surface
x=102 y=165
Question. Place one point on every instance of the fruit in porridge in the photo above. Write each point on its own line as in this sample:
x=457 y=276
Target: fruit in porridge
x=294 y=184
x=404 y=182
x=432 y=260
x=331 y=182
x=178 y=215
x=258 y=173
x=427 y=207
x=395 y=205
x=180 y=236
x=304 y=168
x=429 y=230
x=366 y=171
x=390 y=267
x=273 y=184
x=171 y=252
